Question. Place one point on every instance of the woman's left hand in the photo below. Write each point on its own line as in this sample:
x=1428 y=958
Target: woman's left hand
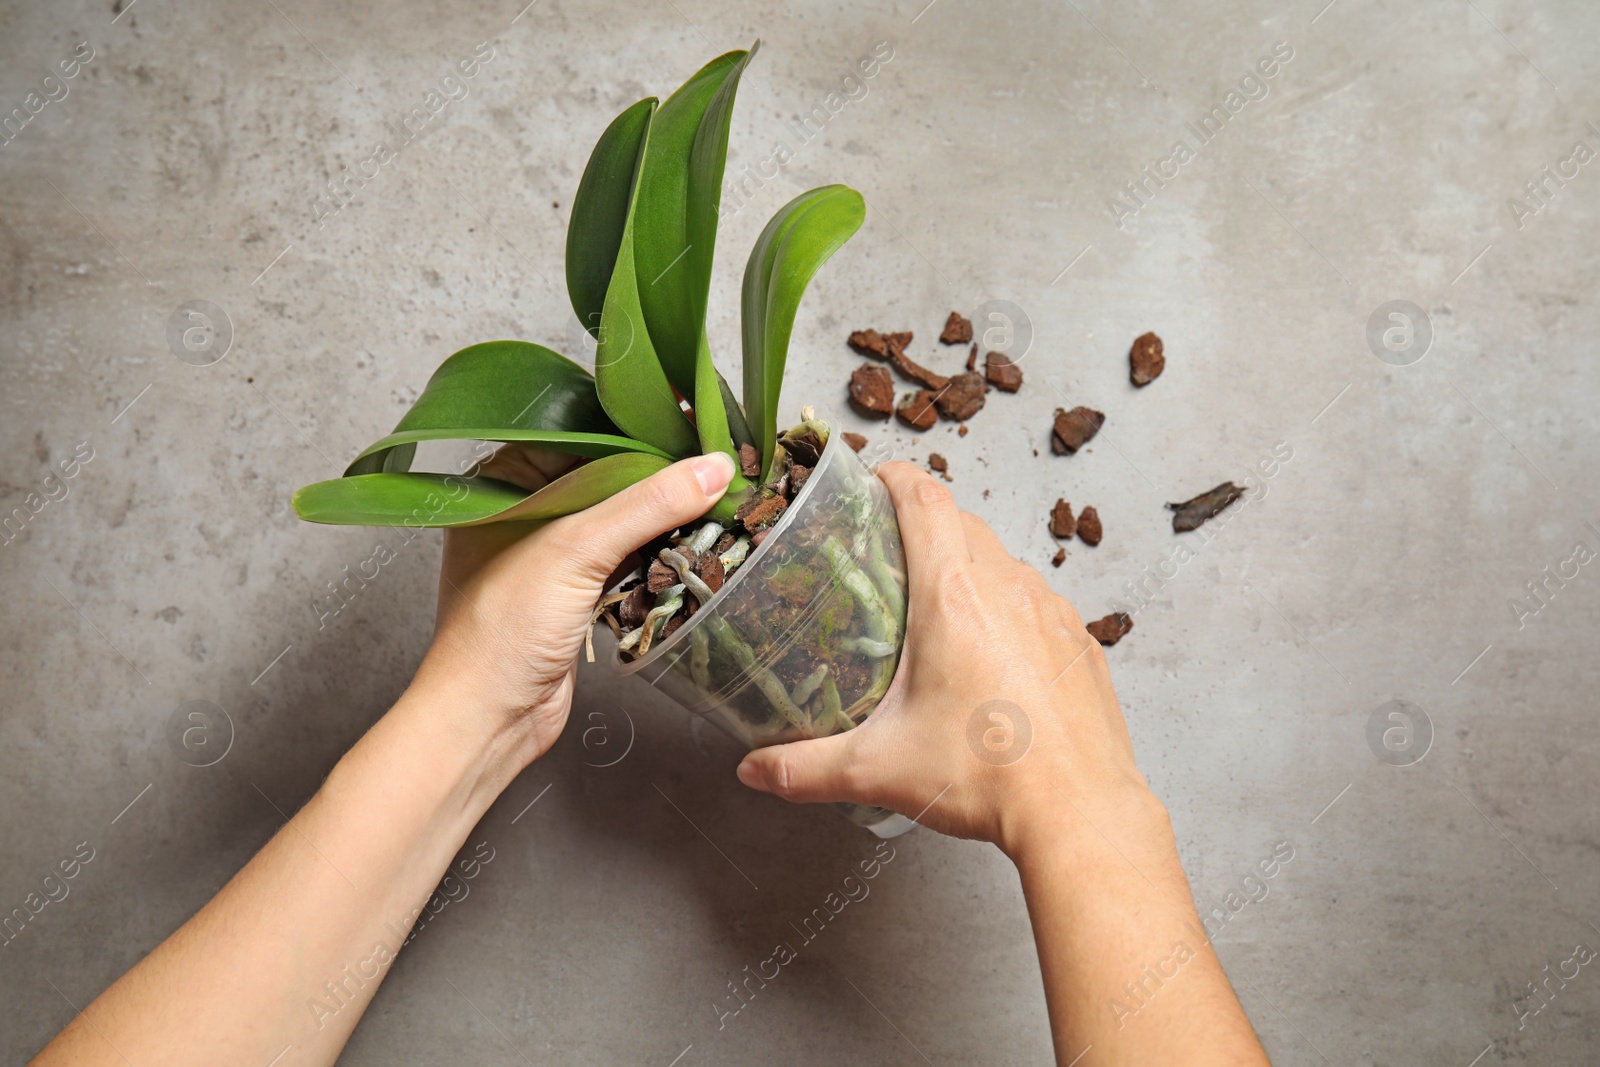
x=514 y=604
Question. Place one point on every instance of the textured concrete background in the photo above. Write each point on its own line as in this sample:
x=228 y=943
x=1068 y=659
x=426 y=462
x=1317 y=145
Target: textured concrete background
x=1381 y=563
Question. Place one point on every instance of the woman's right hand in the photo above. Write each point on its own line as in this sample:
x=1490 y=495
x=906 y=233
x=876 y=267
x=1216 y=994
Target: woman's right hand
x=1001 y=721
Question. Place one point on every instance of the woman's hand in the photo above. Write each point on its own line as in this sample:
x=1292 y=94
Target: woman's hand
x=1001 y=725
x=1002 y=707
x=514 y=605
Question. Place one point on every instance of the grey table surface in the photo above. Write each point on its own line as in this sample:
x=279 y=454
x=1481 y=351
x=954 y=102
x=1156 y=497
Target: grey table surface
x=1389 y=159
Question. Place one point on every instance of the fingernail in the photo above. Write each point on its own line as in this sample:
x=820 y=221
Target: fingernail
x=713 y=472
x=750 y=774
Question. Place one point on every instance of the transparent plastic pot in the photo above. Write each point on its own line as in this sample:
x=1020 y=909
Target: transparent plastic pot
x=803 y=639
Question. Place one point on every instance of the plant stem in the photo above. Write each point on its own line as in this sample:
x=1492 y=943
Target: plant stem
x=769 y=684
x=700 y=658
x=808 y=685
x=689 y=578
x=880 y=624
x=668 y=601
x=739 y=490
x=832 y=708
x=887 y=577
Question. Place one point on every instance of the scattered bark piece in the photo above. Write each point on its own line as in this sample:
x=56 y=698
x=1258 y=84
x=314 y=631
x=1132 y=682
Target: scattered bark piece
x=1074 y=429
x=761 y=512
x=869 y=343
x=1002 y=372
x=798 y=476
x=673 y=623
x=909 y=367
x=1089 y=530
x=986 y=494
x=631 y=612
x=963 y=431
x=1111 y=629
x=711 y=571
x=1192 y=514
x=963 y=397
x=917 y=410
x=972 y=359
x=1059 y=558
x=1062 y=524
x=872 y=391
x=938 y=462
x=749 y=461
x=1146 y=359
x=957 y=330
x=854 y=440
x=901 y=340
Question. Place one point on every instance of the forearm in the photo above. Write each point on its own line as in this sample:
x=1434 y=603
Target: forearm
x=1129 y=975
x=318 y=915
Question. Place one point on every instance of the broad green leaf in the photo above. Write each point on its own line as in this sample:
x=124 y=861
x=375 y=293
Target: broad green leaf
x=405 y=500
x=789 y=252
x=633 y=388
x=600 y=212
x=711 y=417
x=502 y=391
x=675 y=217
x=426 y=500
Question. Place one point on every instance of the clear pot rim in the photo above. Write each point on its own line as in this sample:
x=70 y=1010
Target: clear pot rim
x=776 y=531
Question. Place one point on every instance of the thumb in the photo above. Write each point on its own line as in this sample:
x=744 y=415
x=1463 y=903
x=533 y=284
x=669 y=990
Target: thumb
x=601 y=537
x=806 y=772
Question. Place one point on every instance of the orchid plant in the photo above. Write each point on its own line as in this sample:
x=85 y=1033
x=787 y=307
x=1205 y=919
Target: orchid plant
x=639 y=253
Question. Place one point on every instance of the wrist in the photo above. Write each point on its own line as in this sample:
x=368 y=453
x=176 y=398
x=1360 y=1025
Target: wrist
x=1047 y=823
x=470 y=742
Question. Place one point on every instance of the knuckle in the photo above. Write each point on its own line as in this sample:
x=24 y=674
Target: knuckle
x=1069 y=614
x=957 y=592
x=1024 y=589
x=779 y=774
x=930 y=494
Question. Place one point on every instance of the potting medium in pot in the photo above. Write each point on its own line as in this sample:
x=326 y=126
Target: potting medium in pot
x=804 y=638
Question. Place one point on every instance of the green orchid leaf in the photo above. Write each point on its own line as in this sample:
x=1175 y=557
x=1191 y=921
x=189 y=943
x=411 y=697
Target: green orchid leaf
x=633 y=388
x=675 y=221
x=405 y=500
x=502 y=391
x=600 y=212
x=737 y=426
x=788 y=254
x=428 y=500
x=712 y=416
x=585 y=487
